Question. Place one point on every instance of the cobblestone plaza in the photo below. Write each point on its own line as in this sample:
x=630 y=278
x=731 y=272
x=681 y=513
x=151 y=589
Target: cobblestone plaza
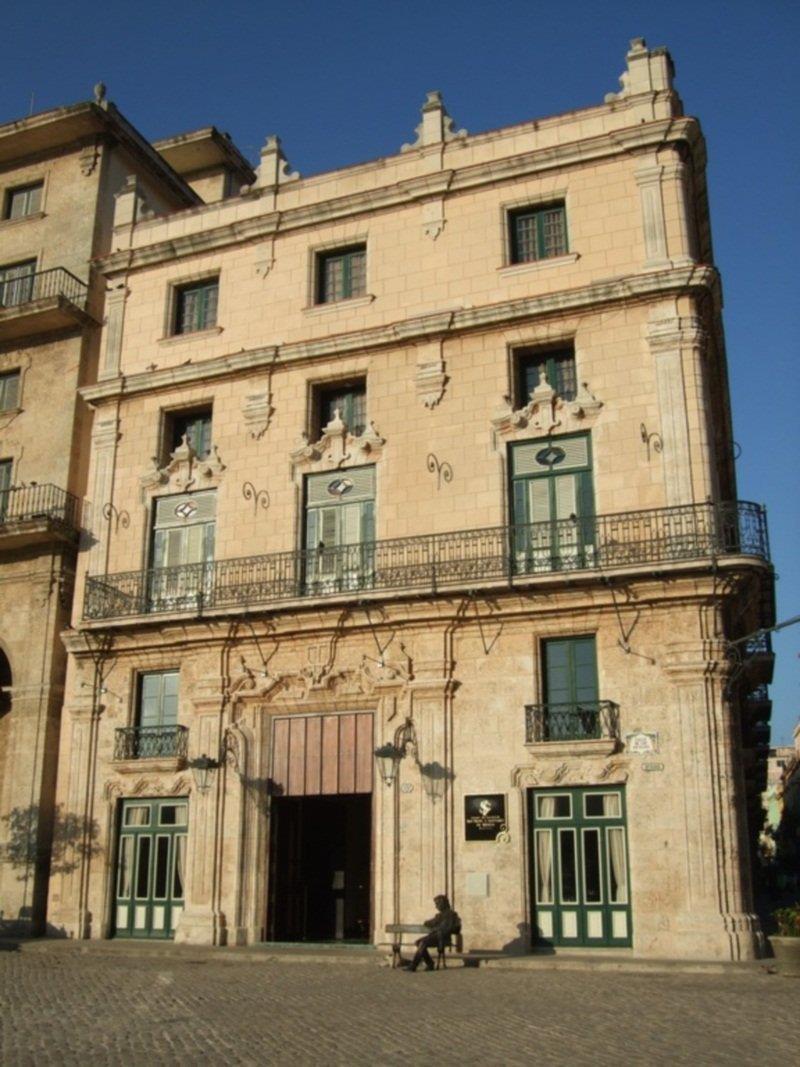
x=66 y=1005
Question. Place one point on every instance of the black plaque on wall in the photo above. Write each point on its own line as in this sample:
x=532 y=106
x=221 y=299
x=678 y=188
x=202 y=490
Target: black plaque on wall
x=484 y=816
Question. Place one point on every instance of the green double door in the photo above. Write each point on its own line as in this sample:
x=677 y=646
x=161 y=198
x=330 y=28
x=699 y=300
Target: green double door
x=553 y=504
x=151 y=865
x=579 y=867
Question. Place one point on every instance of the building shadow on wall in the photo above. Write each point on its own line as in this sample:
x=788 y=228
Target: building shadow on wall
x=37 y=849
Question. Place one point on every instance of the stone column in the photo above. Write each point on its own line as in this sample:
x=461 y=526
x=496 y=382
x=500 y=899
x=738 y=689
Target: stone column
x=203 y=922
x=716 y=919
x=115 y=317
x=104 y=442
x=648 y=179
x=68 y=911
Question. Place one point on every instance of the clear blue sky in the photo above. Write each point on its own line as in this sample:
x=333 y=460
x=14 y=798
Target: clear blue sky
x=342 y=81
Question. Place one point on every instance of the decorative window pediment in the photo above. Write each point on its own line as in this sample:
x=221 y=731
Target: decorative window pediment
x=185 y=470
x=545 y=411
x=338 y=447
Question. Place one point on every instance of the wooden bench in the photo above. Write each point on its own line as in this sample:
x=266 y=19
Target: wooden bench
x=417 y=930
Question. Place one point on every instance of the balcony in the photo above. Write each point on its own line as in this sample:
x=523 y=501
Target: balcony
x=150 y=743
x=34 y=514
x=759 y=660
x=501 y=555
x=589 y=720
x=42 y=303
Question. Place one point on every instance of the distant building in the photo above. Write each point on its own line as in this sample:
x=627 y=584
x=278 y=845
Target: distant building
x=424 y=556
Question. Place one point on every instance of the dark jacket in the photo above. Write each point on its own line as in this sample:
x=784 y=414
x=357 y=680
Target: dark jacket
x=443 y=925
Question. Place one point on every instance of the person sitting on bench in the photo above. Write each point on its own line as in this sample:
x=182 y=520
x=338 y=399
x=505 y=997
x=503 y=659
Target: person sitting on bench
x=443 y=925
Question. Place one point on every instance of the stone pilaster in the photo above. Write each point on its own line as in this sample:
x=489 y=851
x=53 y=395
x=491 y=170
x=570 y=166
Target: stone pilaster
x=716 y=919
x=104 y=441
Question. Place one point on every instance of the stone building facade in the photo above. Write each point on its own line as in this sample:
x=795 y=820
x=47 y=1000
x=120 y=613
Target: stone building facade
x=425 y=557
x=59 y=174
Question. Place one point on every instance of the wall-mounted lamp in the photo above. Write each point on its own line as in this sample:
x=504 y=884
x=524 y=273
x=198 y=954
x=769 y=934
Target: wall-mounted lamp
x=203 y=768
x=388 y=758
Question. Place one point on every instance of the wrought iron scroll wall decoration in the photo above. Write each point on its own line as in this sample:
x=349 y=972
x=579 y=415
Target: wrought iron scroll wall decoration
x=121 y=518
x=442 y=470
x=260 y=497
x=652 y=439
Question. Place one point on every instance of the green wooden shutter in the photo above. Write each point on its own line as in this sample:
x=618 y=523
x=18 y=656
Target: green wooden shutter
x=571 y=671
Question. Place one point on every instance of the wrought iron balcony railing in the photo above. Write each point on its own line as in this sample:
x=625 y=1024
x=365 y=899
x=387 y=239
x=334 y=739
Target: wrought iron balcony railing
x=30 y=502
x=25 y=289
x=150 y=742
x=432 y=562
x=588 y=720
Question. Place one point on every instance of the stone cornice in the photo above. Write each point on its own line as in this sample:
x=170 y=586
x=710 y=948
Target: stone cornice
x=413 y=330
x=651 y=135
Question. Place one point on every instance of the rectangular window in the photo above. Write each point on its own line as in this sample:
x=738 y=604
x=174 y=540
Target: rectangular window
x=195 y=426
x=349 y=399
x=22 y=201
x=183 y=529
x=340 y=529
x=158 y=700
x=196 y=306
x=537 y=233
x=570 y=689
x=557 y=366
x=9 y=391
x=16 y=283
x=341 y=274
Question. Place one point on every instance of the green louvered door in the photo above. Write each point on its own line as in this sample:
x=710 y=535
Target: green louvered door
x=553 y=504
x=340 y=530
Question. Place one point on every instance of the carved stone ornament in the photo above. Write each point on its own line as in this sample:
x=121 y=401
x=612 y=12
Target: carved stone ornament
x=185 y=471
x=257 y=410
x=89 y=158
x=430 y=378
x=338 y=446
x=147 y=787
x=436 y=127
x=571 y=773
x=546 y=410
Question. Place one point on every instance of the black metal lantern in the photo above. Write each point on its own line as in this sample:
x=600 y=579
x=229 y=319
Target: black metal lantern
x=202 y=768
x=388 y=758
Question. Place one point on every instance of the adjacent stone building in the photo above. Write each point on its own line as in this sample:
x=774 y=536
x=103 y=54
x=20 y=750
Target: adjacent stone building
x=60 y=172
x=413 y=555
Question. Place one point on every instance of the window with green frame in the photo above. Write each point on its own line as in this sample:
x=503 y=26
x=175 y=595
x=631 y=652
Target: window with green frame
x=157 y=700
x=538 y=232
x=196 y=306
x=9 y=390
x=559 y=368
x=195 y=426
x=348 y=398
x=24 y=200
x=341 y=274
x=570 y=688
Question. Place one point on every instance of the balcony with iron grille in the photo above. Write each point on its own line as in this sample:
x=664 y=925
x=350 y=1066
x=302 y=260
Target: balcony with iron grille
x=590 y=725
x=43 y=302
x=161 y=747
x=655 y=541
x=36 y=514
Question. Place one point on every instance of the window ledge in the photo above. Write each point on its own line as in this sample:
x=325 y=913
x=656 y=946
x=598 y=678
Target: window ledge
x=9 y=411
x=333 y=305
x=143 y=766
x=22 y=218
x=602 y=746
x=194 y=335
x=538 y=264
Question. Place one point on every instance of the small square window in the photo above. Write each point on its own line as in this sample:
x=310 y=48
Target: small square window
x=194 y=425
x=341 y=274
x=349 y=399
x=9 y=391
x=196 y=306
x=538 y=233
x=559 y=369
x=24 y=200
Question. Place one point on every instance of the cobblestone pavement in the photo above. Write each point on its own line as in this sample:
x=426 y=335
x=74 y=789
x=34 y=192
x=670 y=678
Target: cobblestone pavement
x=71 y=1008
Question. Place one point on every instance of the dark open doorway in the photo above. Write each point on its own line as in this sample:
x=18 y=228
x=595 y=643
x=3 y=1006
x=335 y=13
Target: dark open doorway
x=319 y=884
